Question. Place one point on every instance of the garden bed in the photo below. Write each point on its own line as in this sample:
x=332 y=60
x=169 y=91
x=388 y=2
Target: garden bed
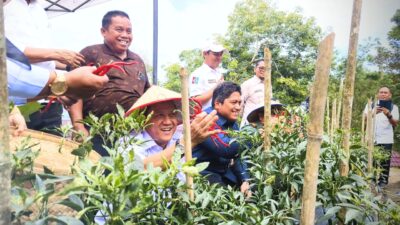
x=392 y=190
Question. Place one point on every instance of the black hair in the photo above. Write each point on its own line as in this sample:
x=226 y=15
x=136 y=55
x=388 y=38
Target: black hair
x=109 y=15
x=257 y=62
x=223 y=91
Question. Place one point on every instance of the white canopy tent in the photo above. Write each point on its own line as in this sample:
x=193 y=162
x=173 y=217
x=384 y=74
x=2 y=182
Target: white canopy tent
x=59 y=7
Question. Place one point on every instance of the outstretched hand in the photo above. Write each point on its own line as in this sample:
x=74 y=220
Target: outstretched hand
x=17 y=122
x=199 y=127
x=82 y=83
x=71 y=58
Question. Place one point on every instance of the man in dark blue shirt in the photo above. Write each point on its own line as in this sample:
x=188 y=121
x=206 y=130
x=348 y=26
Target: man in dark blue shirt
x=225 y=166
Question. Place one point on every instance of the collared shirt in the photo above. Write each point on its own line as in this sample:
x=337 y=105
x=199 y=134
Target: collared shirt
x=149 y=147
x=23 y=83
x=220 y=156
x=203 y=79
x=146 y=146
x=383 y=128
x=122 y=88
x=252 y=95
x=26 y=25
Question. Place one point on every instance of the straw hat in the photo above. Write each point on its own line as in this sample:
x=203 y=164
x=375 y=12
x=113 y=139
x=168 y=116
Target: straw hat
x=153 y=95
x=55 y=152
x=253 y=115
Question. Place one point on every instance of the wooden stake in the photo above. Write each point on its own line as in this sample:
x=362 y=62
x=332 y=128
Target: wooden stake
x=315 y=128
x=370 y=138
x=186 y=127
x=349 y=85
x=333 y=121
x=328 y=119
x=363 y=129
x=339 y=111
x=267 y=99
x=5 y=161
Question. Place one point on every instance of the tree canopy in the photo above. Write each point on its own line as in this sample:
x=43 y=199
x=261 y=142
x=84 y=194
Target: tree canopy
x=255 y=24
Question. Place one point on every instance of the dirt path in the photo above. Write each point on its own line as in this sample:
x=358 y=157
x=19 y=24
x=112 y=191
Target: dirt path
x=393 y=188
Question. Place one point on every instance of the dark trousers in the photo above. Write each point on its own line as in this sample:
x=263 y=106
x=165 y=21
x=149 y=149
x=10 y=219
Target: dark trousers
x=48 y=121
x=98 y=143
x=385 y=165
x=216 y=178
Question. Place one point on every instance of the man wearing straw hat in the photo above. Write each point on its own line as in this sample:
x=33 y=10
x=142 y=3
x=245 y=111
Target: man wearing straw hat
x=161 y=135
x=225 y=165
x=256 y=116
x=205 y=79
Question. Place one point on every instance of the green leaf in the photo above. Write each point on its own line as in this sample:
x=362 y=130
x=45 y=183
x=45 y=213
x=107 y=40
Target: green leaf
x=67 y=220
x=29 y=108
x=74 y=202
x=39 y=184
x=329 y=214
x=47 y=170
x=81 y=151
x=352 y=214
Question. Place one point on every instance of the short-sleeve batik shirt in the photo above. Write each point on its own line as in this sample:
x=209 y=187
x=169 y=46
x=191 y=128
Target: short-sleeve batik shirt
x=123 y=88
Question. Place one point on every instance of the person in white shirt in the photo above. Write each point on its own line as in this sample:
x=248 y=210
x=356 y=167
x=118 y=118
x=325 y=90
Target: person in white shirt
x=34 y=82
x=386 y=119
x=253 y=90
x=26 y=26
x=205 y=79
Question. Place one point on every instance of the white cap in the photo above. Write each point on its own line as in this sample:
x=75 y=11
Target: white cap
x=214 y=47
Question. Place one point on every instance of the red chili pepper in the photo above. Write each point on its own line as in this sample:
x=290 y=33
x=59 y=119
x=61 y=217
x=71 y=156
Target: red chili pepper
x=101 y=71
x=47 y=107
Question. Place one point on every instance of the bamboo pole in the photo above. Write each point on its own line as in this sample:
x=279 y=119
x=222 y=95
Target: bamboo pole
x=315 y=129
x=370 y=139
x=349 y=85
x=186 y=127
x=339 y=111
x=5 y=161
x=333 y=121
x=363 y=128
x=328 y=119
x=267 y=99
x=373 y=119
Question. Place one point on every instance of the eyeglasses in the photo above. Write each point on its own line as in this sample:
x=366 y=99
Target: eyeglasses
x=217 y=53
x=261 y=68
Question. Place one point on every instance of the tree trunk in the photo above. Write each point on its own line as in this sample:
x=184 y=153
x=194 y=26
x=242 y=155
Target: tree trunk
x=315 y=129
x=349 y=85
x=267 y=99
x=5 y=162
x=186 y=127
x=349 y=93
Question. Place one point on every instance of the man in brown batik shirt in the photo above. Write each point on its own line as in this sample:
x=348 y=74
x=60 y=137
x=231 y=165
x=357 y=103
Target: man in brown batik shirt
x=123 y=88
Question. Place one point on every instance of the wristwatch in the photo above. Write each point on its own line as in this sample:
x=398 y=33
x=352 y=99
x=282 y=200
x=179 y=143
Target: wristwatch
x=59 y=85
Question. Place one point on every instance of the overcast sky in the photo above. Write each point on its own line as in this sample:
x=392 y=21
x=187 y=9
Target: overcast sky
x=185 y=24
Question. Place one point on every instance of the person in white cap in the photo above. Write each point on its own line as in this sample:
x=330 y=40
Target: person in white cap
x=161 y=136
x=205 y=79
